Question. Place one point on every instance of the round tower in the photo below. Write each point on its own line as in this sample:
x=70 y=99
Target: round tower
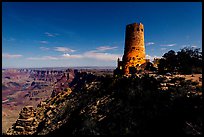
x=134 y=53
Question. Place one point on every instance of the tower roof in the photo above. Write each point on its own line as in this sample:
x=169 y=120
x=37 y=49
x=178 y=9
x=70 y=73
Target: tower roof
x=135 y=23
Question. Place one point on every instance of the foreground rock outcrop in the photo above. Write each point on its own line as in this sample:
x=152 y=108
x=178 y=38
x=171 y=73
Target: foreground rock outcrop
x=120 y=106
x=26 y=124
x=31 y=120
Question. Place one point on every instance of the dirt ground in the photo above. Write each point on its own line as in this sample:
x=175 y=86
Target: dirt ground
x=194 y=77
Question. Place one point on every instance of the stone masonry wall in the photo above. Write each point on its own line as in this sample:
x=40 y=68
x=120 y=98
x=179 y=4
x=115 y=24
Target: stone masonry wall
x=134 y=53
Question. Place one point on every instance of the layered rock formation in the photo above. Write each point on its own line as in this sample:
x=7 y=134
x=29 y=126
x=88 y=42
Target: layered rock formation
x=32 y=121
x=26 y=124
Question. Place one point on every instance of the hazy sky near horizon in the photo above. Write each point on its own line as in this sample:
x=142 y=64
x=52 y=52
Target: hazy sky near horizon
x=64 y=34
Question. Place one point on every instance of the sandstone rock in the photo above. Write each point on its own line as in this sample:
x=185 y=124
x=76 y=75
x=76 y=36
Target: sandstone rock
x=49 y=112
x=29 y=128
x=26 y=123
x=48 y=122
x=19 y=128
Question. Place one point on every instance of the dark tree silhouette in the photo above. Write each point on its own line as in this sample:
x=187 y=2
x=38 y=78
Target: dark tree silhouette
x=183 y=61
x=189 y=58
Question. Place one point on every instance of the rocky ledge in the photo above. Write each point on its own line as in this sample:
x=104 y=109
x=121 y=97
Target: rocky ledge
x=26 y=124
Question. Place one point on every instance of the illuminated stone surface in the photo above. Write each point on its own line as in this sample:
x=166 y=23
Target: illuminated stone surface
x=134 y=52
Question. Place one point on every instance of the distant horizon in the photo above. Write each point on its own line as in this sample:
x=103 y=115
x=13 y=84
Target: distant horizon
x=50 y=34
x=104 y=67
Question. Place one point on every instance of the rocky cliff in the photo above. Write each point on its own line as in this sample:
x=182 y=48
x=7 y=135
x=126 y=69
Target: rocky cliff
x=101 y=105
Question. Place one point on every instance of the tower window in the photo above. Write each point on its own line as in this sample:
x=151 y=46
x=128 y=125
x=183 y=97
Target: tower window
x=138 y=29
x=133 y=47
x=141 y=29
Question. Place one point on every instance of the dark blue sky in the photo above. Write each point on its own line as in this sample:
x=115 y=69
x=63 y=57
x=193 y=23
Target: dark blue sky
x=46 y=34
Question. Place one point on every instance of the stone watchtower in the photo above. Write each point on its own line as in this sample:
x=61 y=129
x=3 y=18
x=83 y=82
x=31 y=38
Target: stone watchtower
x=134 y=52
